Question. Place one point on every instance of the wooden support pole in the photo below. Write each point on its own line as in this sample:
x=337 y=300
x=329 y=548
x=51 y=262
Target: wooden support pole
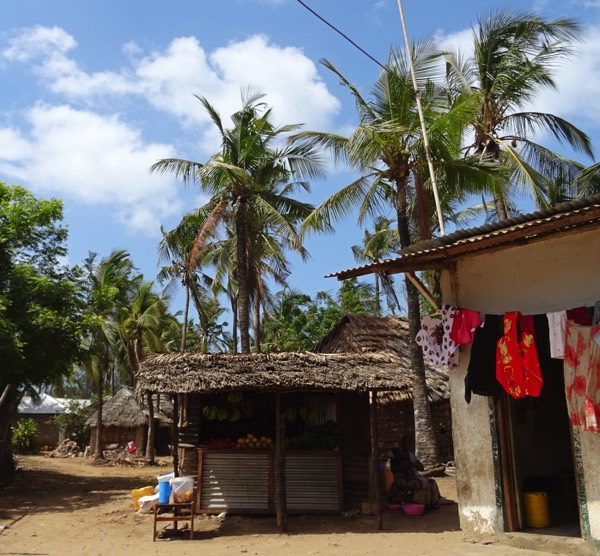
x=422 y=289
x=375 y=458
x=175 y=435
x=280 y=487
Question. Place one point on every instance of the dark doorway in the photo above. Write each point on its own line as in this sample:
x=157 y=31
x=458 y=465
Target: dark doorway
x=536 y=456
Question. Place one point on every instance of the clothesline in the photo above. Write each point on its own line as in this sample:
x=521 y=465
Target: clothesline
x=504 y=353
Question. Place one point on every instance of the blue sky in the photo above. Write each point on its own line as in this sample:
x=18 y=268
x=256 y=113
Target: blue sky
x=92 y=94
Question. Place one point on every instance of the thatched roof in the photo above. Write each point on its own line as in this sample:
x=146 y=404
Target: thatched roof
x=367 y=334
x=124 y=410
x=189 y=372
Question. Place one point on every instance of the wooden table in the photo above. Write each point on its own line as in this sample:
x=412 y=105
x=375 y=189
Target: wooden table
x=174 y=513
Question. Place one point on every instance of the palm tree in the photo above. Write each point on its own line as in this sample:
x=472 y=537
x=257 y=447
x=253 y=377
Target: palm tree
x=140 y=327
x=249 y=178
x=377 y=245
x=109 y=283
x=184 y=248
x=514 y=57
x=387 y=149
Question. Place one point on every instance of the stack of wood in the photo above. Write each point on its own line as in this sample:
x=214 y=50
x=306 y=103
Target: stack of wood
x=67 y=449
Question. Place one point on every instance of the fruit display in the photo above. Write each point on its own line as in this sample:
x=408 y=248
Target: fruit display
x=251 y=441
x=220 y=443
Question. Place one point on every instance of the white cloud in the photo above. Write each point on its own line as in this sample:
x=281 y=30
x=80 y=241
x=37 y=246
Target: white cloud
x=98 y=158
x=288 y=78
x=37 y=41
x=13 y=145
x=169 y=79
x=578 y=84
x=95 y=160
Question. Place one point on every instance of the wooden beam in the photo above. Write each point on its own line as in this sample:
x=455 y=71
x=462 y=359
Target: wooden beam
x=280 y=487
x=375 y=458
x=423 y=290
x=175 y=435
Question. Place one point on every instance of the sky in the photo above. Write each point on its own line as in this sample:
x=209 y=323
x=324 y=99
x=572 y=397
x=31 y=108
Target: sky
x=92 y=94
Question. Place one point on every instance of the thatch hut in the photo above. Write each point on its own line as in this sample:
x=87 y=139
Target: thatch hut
x=125 y=419
x=370 y=334
x=337 y=390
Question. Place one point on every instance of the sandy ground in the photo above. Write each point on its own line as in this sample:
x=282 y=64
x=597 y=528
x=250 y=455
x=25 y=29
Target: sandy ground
x=69 y=507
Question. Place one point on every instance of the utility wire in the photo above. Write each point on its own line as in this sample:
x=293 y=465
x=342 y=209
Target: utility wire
x=416 y=91
x=342 y=34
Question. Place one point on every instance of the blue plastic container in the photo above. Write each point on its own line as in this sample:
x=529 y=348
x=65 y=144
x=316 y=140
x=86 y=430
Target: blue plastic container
x=164 y=492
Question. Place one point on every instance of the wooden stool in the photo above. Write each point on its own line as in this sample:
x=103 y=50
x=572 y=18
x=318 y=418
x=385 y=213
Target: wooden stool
x=175 y=513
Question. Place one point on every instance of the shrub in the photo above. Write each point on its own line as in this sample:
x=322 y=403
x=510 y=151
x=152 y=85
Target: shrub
x=24 y=435
x=72 y=423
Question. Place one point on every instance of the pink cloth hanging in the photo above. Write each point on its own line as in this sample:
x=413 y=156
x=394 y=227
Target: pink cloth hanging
x=464 y=325
x=582 y=376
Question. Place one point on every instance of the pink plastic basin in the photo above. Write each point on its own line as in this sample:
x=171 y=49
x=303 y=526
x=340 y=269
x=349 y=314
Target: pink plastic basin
x=413 y=509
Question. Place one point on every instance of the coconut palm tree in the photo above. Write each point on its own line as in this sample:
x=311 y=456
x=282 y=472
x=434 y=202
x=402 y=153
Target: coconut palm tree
x=140 y=329
x=184 y=247
x=515 y=54
x=251 y=177
x=377 y=245
x=387 y=150
x=109 y=285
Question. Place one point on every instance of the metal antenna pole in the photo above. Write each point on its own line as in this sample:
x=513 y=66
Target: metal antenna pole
x=422 y=118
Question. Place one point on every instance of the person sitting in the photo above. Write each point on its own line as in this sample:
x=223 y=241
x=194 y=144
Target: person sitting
x=406 y=467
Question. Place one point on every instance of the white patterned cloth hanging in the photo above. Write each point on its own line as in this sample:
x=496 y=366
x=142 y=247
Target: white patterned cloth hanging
x=557 y=326
x=434 y=338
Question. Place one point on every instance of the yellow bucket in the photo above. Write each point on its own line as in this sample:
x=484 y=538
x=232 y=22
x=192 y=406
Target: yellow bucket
x=137 y=493
x=537 y=513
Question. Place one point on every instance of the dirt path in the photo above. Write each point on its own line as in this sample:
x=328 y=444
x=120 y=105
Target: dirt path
x=68 y=507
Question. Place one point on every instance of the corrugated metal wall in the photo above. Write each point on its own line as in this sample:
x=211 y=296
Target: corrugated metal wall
x=313 y=482
x=243 y=481
x=238 y=480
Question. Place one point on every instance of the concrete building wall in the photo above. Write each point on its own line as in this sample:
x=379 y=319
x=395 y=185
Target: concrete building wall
x=473 y=455
x=549 y=275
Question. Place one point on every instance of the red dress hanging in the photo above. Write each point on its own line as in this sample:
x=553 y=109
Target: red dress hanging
x=517 y=365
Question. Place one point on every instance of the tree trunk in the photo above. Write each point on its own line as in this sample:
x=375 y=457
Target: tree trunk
x=7 y=462
x=234 y=326
x=257 y=323
x=98 y=443
x=186 y=308
x=150 y=439
x=501 y=207
x=425 y=441
x=242 y=276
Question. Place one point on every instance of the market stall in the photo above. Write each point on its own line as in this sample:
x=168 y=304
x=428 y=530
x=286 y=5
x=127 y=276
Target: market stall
x=311 y=419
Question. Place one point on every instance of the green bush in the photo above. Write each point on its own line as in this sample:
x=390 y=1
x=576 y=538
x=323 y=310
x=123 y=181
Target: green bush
x=24 y=435
x=72 y=423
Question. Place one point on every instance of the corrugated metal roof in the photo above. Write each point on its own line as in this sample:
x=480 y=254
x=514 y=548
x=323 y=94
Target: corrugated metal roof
x=560 y=218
